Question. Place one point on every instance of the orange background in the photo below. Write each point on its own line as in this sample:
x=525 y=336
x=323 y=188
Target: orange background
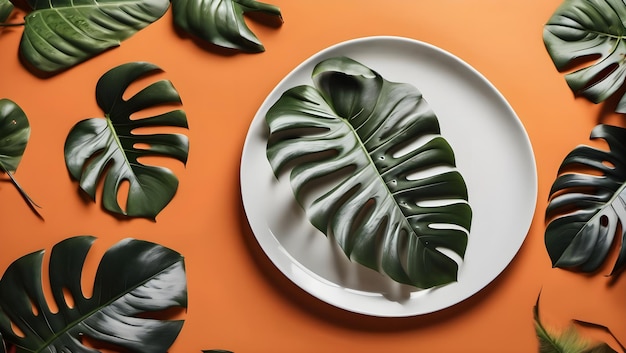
x=237 y=299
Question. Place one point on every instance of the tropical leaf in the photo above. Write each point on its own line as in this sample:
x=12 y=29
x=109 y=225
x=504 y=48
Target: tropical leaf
x=222 y=22
x=14 y=135
x=6 y=7
x=110 y=149
x=134 y=278
x=391 y=203
x=568 y=341
x=62 y=33
x=588 y=203
x=592 y=32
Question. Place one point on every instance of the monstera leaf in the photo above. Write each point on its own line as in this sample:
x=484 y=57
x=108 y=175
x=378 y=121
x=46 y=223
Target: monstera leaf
x=221 y=22
x=593 y=32
x=587 y=206
x=14 y=135
x=134 y=278
x=108 y=148
x=60 y=33
x=354 y=137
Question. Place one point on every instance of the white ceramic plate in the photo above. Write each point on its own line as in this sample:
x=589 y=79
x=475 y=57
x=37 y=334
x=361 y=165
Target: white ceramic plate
x=493 y=154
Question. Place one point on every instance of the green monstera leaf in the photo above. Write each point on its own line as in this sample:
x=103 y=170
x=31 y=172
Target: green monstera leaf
x=59 y=34
x=221 y=22
x=14 y=135
x=353 y=136
x=109 y=148
x=592 y=33
x=588 y=203
x=134 y=278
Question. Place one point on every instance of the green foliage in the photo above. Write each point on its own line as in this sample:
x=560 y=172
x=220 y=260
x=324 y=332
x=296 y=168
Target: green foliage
x=109 y=148
x=134 y=278
x=6 y=7
x=59 y=34
x=221 y=22
x=586 y=208
x=569 y=341
x=14 y=135
x=592 y=32
x=346 y=134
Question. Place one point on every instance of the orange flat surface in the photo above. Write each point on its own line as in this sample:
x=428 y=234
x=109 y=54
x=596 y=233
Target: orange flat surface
x=237 y=299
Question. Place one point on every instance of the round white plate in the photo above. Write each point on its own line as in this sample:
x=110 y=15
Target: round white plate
x=493 y=154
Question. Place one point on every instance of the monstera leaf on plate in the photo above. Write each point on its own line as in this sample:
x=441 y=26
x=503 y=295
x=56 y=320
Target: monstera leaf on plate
x=109 y=148
x=587 y=206
x=221 y=22
x=593 y=32
x=59 y=34
x=14 y=135
x=134 y=278
x=391 y=203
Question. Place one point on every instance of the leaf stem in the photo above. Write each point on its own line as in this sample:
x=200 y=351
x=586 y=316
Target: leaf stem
x=12 y=24
x=31 y=203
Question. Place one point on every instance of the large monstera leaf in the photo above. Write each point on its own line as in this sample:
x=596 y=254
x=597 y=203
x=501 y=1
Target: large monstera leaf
x=109 y=148
x=353 y=136
x=134 y=278
x=588 y=204
x=6 y=7
x=59 y=34
x=592 y=32
x=222 y=22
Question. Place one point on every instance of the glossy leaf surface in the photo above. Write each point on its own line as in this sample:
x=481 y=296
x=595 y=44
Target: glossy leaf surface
x=133 y=278
x=110 y=148
x=6 y=7
x=222 y=22
x=593 y=33
x=588 y=204
x=352 y=138
x=61 y=33
x=14 y=134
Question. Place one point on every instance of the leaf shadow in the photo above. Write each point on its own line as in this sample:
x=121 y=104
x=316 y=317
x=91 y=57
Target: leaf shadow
x=303 y=301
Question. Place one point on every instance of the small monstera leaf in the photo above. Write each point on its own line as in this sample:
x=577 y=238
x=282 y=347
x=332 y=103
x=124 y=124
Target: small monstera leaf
x=108 y=148
x=594 y=32
x=221 y=22
x=60 y=33
x=134 y=278
x=353 y=136
x=14 y=135
x=587 y=206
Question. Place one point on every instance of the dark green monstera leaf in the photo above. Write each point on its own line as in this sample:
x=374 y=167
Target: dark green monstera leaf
x=591 y=32
x=61 y=33
x=588 y=204
x=109 y=148
x=221 y=22
x=134 y=278
x=14 y=135
x=352 y=136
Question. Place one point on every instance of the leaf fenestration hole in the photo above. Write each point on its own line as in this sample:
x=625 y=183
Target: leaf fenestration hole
x=16 y=330
x=122 y=193
x=33 y=307
x=68 y=297
x=604 y=221
x=609 y=164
